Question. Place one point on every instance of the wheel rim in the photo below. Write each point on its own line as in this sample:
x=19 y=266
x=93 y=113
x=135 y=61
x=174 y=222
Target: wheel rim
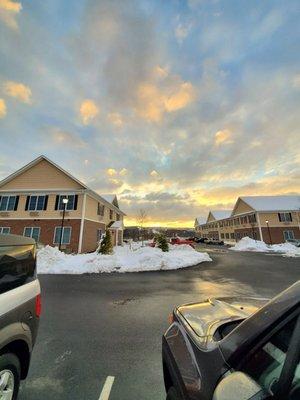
x=7 y=383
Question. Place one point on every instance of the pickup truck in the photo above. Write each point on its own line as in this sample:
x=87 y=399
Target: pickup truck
x=234 y=349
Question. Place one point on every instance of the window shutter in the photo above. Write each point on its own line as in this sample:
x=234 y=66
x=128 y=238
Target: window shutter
x=56 y=202
x=291 y=219
x=27 y=203
x=75 y=201
x=279 y=216
x=16 y=203
x=46 y=202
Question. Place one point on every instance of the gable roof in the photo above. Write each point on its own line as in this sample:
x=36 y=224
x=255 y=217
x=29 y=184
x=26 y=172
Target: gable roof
x=41 y=158
x=272 y=203
x=220 y=214
x=200 y=220
x=111 y=198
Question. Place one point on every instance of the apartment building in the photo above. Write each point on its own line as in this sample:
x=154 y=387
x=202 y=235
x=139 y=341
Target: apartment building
x=273 y=219
x=32 y=203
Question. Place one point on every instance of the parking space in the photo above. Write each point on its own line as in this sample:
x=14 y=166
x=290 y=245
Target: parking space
x=110 y=325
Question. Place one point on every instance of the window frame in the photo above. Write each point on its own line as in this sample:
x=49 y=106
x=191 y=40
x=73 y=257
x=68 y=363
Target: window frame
x=32 y=227
x=38 y=196
x=8 y=202
x=62 y=236
x=60 y=202
x=288 y=238
x=5 y=227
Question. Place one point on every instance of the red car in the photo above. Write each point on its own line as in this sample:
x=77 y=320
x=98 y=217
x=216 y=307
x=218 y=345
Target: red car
x=177 y=240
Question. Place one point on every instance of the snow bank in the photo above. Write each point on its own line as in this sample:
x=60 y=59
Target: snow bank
x=248 y=244
x=51 y=261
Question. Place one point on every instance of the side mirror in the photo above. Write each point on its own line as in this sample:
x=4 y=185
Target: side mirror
x=239 y=386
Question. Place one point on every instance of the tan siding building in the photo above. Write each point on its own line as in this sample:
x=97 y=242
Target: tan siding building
x=273 y=219
x=31 y=204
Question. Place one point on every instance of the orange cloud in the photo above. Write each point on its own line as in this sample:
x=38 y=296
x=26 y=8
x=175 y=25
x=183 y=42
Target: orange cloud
x=18 y=90
x=8 y=12
x=223 y=136
x=88 y=111
x=2 y=108
x=115 y=119
x=111 y=172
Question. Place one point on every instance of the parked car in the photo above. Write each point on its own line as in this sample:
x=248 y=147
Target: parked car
x=20 y=309
x=200 y=240
x=295 y=242
x=179 y=241
x=234 y=348
x=216 y=242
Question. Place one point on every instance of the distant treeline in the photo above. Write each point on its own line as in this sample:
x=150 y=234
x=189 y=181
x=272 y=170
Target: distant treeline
x=135 y=233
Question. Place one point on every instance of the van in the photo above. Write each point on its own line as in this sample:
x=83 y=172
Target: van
x=20 y=310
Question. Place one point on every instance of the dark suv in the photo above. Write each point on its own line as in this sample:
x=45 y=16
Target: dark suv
x=234 y=349
x=20 y=308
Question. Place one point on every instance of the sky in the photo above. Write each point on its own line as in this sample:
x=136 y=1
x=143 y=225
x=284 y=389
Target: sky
x=176 y=106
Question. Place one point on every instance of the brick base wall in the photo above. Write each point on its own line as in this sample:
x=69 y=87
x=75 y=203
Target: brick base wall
x=276 y=234
x=47 y=229
x=251 y=233
x=89 y=242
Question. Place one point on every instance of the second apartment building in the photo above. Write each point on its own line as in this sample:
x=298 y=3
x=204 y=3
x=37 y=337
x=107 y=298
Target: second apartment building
x=31 y=204
x=273 y=219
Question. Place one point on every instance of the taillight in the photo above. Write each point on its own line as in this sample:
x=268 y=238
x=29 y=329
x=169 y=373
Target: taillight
x=38 y=305
x=171 y=318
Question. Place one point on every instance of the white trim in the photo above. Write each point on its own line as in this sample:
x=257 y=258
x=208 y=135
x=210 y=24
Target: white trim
x=82 y=224
x=11 y=299
x=41 y=191
x=62 y=234
x=259 y=226
x=94 y=220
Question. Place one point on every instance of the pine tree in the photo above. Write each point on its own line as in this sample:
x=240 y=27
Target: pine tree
x=106 y=246
x=162 y=242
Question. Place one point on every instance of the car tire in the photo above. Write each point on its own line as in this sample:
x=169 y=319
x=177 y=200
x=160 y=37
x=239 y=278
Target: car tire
x=173 y=394
x=10 y=371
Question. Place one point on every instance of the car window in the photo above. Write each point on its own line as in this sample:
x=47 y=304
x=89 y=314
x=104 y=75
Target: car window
x=266 y=364
x=17 y=266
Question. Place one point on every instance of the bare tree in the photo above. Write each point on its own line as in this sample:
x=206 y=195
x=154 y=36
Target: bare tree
x=141 y=219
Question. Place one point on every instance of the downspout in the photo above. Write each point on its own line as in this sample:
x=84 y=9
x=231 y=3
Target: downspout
x=82 y=223
x=259 y=226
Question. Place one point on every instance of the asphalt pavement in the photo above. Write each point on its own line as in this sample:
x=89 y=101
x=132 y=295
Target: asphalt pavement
x=95 y=326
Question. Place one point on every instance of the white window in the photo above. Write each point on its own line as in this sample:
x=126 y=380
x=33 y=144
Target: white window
x=285 y=217
x=72 y=202
x=33 y=232
x=4 y=230
x=8 y=203
x=288 y=235
x=65 y=237
x=36 y=203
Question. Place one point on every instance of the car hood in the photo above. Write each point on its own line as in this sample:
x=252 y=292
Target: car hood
x=206 y=317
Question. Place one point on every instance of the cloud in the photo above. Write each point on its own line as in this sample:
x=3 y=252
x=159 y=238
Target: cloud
x=123 y=172
x=2 y=108
x=116 y=119
x=18 y=90
x=154 y=173
x=155 y=100
x=62 y=137
x=182 y=31
x=88 y=111
x=111 y=172
x=223 y=136
x=9 y=11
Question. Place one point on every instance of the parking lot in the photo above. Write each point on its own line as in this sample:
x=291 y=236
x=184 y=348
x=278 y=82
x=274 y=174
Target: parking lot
x=95 y=326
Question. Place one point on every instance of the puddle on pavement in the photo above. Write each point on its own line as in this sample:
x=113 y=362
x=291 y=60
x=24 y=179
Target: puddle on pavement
x=222 y=287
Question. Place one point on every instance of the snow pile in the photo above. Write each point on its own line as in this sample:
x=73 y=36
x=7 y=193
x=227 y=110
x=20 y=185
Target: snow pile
x=248 y=244
x=51 y=261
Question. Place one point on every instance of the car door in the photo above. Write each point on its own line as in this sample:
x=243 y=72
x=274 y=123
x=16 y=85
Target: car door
x=274 y=364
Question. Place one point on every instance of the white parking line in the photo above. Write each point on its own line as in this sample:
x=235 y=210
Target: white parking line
x=107 y=388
